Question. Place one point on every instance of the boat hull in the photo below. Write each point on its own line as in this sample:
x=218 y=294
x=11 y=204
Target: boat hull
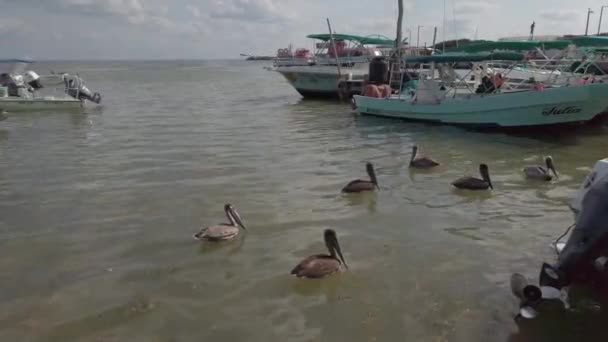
x=16 y=105
x=321 y=82
x=553 y=106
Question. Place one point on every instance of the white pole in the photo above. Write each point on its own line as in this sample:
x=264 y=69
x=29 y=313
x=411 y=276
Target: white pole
x=418 y=38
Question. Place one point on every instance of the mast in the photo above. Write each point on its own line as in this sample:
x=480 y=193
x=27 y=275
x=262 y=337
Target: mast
x=333 y=44
x=399 y=26
x=443 y=26
x=589 y=11
x=399 y=45
x=454 y=18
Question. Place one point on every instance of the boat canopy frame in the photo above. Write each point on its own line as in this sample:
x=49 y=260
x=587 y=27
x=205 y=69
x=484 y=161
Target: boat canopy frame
x=513 y=45
x=362 y=40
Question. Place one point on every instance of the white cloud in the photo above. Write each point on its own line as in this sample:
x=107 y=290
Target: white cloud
x=558 y=15
x=195 y=11
x=248 y=10
x=187 y=28
x=133 y=10
x=11 y=25
x=474 y=8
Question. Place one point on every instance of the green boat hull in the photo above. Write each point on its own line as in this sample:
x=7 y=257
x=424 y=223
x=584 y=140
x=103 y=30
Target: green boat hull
x=552 y=106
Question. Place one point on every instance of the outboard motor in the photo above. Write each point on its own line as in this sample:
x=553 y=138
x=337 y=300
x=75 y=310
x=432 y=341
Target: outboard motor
x=583 y=259
x=588 y=243
x=33 y=80
x=378 y=71
x=76 y=88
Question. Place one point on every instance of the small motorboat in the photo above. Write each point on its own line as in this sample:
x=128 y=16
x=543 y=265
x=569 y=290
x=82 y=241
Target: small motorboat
x=27 y=91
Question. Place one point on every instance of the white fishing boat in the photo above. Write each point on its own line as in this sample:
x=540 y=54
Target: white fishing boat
x=557 y=62
x=22 y=90
x=333 y=64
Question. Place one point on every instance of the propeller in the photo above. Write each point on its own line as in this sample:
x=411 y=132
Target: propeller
x=529 y=295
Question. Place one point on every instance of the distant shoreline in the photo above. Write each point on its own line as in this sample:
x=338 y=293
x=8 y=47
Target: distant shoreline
x=134 y=60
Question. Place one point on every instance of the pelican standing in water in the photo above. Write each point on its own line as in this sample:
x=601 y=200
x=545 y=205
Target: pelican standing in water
x=222 y=231
x=421 y=162
x=541 y=173
x=320 y=265
x=472 y=183
x=360 y=185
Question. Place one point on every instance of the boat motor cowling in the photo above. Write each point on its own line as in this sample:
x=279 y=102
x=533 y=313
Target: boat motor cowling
x=33 y=80
x=86 y=94
x=587 y=243
x=76 y=88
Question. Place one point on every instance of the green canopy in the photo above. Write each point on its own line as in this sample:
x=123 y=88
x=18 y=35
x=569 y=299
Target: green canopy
x=456 y=44
x=466 y=57
x=524 y=45
x=599 y=50
x=590 y=41
x=369 y=40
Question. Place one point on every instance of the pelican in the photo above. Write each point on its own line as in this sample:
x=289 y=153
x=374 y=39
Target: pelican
x=360 y=185
x=318 y=266
x=222 y=231
x=473 y=183
x=541 y=173
x=421 y=162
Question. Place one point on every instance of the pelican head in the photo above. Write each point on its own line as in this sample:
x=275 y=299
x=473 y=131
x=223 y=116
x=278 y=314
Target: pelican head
x=233 y=216
x=331 y=241
x=550 y=166
x=372 y=174
x=485 y=174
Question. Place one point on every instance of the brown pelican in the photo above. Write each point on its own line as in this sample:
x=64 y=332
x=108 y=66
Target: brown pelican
x=318 y=266
x=222 y=231
x=541 y=173
x=360 y=185
x=473 y=183
x=421 y=162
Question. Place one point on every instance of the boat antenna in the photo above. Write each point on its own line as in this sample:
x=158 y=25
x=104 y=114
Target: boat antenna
x=532 y=27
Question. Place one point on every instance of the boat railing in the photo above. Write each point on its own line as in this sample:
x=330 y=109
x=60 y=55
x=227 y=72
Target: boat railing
x=56 y=85
x=345 y=62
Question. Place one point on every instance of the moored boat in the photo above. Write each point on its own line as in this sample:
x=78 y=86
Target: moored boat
x=552 y=106
x=27 y=91
x=322 y=74
x=438 y=102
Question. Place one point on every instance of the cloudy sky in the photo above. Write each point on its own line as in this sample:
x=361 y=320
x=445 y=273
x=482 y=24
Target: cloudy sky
x=167 y=29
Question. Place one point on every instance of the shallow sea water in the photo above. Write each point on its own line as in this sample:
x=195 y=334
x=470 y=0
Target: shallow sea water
x=97 y=212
